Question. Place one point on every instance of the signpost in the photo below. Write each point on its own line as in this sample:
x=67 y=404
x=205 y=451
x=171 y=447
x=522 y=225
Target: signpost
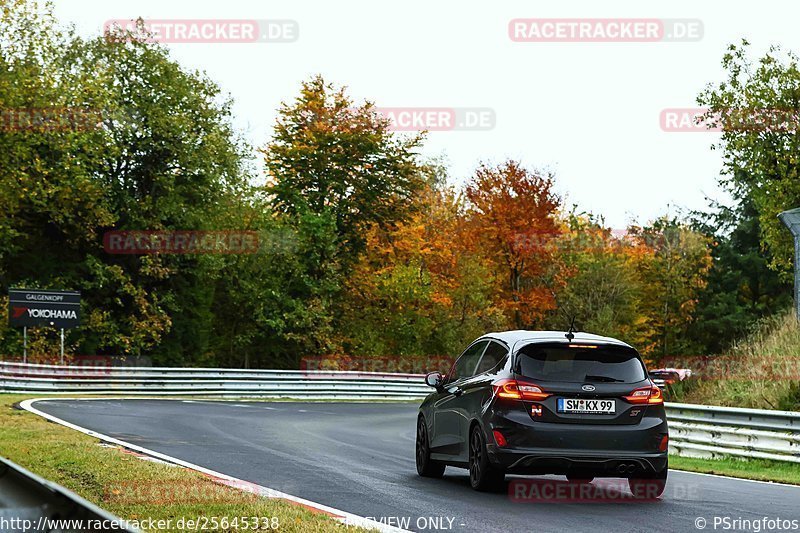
x=34 y=307
x=791 y=219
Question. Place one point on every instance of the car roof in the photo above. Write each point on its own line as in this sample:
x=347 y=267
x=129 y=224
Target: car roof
x=522 y=337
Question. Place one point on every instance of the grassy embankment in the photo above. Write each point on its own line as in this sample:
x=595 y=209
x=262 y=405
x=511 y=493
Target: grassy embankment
x=132 y=488
x=762 y=371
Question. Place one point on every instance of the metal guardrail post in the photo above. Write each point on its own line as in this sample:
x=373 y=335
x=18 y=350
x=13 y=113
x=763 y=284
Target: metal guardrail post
x=31 y=503
x=791 y=220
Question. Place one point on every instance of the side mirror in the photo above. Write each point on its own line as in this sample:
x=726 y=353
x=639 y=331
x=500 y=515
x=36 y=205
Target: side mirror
x=434 y=379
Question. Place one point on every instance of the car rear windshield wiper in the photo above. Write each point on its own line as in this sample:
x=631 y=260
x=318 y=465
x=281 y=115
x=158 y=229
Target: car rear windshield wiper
x=607 y=379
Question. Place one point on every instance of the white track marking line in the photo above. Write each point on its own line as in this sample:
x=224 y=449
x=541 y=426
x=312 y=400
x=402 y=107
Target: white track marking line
x=343 y=516
x=88 y=432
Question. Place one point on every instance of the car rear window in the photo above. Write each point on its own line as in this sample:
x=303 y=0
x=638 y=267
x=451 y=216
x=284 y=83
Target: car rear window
x=580 y=364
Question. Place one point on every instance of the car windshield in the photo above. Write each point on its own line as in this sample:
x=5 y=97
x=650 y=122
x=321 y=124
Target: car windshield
x=580 y=363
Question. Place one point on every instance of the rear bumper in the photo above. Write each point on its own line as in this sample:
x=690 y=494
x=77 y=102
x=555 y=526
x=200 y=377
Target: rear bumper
x=601 y=450
x=565 y=462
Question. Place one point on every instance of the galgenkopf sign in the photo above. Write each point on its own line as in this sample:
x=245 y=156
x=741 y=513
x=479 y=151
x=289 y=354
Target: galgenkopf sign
x=34 y=307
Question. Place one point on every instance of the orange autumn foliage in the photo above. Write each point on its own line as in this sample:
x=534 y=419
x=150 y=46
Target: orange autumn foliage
x=512 y=218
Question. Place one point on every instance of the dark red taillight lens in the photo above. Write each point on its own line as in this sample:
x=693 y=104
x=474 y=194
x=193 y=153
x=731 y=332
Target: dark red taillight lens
x=511 y=389
x=499 y=438
x=645 y=395
x=664 y=444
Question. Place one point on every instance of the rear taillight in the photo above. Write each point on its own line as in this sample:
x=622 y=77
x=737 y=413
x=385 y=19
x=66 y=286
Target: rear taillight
x=648 y=395
x=511 y=389
x=664 y=444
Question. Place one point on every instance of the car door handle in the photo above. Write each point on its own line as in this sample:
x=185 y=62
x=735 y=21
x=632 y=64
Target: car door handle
x=457 y=391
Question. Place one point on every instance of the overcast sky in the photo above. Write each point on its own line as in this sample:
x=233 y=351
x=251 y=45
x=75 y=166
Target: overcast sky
x=588 y=111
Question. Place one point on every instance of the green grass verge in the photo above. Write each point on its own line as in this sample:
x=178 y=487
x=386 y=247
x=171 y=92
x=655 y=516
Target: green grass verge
x=135 y=489
x=759 y=469
x=762 y=371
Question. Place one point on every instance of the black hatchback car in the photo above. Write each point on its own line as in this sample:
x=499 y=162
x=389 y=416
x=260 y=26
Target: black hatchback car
x=545 y=402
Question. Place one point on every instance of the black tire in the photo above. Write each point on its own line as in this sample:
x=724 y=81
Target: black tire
x=426 y=467
x=579 y=479
x=649 y=486
x=482 y=475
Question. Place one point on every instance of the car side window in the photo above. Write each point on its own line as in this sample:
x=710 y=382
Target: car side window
x=494 y=353
x=464 y=367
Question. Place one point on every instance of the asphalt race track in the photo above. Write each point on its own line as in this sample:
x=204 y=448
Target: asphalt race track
x=359 y=457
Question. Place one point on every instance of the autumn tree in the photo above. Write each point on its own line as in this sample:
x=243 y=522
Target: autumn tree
x=421 y=288
x=512 y=214
x=331 y=159
x=673 y=270
x=336 y=170
x=601 y=291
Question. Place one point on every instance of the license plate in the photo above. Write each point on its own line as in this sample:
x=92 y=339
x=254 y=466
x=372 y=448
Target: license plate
x=584 y=406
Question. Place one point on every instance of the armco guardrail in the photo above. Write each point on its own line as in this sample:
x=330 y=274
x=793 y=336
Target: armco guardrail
x=311 y=384
x=712 y=431
x=696 y=430
x=30 y=503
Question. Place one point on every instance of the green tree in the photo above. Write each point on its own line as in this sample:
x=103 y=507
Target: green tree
x=153 y=149
x=741 y=288
x=603 y=290
x=673 y=269
x=758 y=106
x=335 y=171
